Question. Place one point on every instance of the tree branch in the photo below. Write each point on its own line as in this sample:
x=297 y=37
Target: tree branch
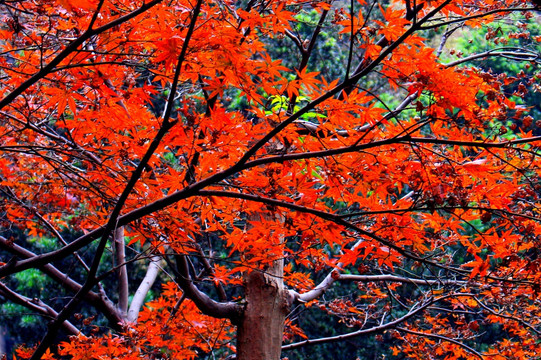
x=401 y=279
x=392 y=324
x=36 y=305
x=493 y=312
x=524 y=55
x=100 y=301
x=443 y=338
x=329 y=217
x=477 y=16
x=332 y=92
x=208 y=306
x=146 y=284
x=194 y=189
x=210 y=270
x=71 y=48
x=122 y=272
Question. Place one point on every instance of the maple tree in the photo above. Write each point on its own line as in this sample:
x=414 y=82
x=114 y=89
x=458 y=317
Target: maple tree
x=167 y=137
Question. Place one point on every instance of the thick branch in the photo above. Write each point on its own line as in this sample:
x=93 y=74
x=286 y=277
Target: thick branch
x=35 y=305
x=405 y=139
x=322 y=287
x=227 y=310
x=334 y=276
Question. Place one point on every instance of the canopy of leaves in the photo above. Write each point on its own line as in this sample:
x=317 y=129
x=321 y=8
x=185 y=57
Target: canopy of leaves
x=395 y=187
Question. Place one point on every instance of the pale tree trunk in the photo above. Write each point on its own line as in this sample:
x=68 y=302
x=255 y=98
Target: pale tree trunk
x=122 y=272
x=260 y=331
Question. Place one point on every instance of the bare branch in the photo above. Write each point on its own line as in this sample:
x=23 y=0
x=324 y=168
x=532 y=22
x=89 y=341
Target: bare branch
x=517 y=54
x=401 y=279
x=322 y=287
x=477 y=16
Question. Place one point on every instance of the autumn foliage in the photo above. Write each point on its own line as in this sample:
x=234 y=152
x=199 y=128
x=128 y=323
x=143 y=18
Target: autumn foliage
x=401 y=198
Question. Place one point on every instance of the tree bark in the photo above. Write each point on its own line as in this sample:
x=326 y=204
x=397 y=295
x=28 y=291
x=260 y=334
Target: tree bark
x=122 y=272
x=260 y=330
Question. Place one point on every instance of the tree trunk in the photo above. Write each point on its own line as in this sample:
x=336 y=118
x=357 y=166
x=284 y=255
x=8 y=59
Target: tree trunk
x=260 y=331
x=3 y=350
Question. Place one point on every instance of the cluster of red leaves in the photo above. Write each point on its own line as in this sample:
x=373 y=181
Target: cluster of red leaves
x=168 y=328
x=403 y=187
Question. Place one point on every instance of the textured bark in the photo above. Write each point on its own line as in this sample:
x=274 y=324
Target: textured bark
x=260 y=331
